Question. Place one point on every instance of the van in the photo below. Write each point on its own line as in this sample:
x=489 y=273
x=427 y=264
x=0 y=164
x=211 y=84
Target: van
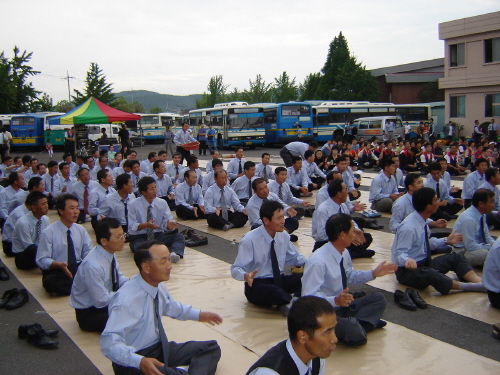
x=95 y=131
x=369 y=127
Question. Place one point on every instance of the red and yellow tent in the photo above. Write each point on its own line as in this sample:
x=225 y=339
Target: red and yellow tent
x=93 y=111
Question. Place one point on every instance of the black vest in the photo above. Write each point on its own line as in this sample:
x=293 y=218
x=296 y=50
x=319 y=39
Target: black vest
x=278 y=359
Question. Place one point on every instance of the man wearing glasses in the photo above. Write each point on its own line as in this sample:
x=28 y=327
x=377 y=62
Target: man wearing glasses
x=98 y=277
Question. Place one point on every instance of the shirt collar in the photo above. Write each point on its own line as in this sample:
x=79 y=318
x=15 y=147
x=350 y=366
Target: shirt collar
x=303 y=368
x=63 y=227
x=266 y=235
x=335 y=253
x=107 y=255
x=148 y=288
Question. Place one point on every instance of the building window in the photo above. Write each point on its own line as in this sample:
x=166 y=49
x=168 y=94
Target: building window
x=457 y=54
x=457 y=106
x=491 y=50
x=492 y=105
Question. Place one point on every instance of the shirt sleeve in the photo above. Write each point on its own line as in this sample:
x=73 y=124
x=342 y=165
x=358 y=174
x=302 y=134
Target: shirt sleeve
x=313 y=279
x=235 y=202
x=403 y=241
x=397 y=216
x=23 y=234
x=209 y=202
x=293 y=257
x=243 y=260
x=43 y=253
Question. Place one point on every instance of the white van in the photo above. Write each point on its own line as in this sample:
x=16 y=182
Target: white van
x=369 y=127
x=95 y=131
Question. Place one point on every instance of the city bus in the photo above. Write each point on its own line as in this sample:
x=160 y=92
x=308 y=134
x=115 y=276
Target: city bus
x=151 y=126
x=288 y=122
x=237 y=123
x=28 y=129
x=330 y=118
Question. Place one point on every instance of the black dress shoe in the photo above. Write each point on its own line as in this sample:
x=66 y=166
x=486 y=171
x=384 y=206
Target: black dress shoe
x=417 y=300
x=7 y=296
x=381 y=324
x=22 y=331
x=404 y=301
x=18 y=300
x=39 y=338
x=4 y=276
x=373 y=224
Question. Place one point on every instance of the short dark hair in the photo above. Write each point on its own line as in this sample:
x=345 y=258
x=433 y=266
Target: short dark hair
x=101 y=158
x=13 y=177
x=51 y=164
x=133 y=162
x=268 y=209
x=313 y=144
x=256 y=182
x=32 y=160
x=191 y=160
x=308 y=154
x=490 y=173
x=236 y=149
x=216 y=162
x=248 y=165
x=80 y=170
x=435 y=166
x=122 y=180
x=439 y=160
x=34 y=182
x=101 y=174
x=422 y=198
x=33 y=197
x=295 y=159
x=162 y=152
x=7 y=158
x=481 y=195
x=26 y=159
x=152 y=154
x=411 y=178
x=304 y=314
x=142 y=253
x=278 y=170
x=103 y=151
x=217 y=173
x=61 y=201
x=62 y=165
x=387 y=162
x=265 y=154
x=40 y=165
x=90 y=157
x=156 y=164
x=479 y=161
x=143 y=183
x=342 y=158
x=334 y=187
x=337 y=224
x=176 y=154
x=102 y=228
x=187 y=172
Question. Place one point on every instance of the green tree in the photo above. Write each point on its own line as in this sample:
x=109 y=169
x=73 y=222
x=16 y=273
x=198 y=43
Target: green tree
x=44 y=104
x=284 y=89
x=259 y=92
x=63 y=106
x=155 y=110
x=216 y=93
x=121 y=104
x=96 y=87
x=310 y=86
x=6 y=89
x=234 y=96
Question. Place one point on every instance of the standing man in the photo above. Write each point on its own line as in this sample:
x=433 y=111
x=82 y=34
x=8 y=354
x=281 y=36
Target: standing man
x=98 y=277
x=262 y=255
x=211 y=138
x=124 y=137
x=493 y=130
x=202 y=138
x=69 y=142
x=296 y=149
x=478 y=132
x=134 y=338
x=189 y=199
x=63 y=245
x=169 y=140
x=116 y=205
x=182 y=137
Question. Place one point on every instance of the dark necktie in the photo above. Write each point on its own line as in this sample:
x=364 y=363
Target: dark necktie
x=114 y=275
x=126 y=211
x=343 y=274
x=223 y=205
x=437 y=191
x=280 y=192
x=276 y=269
x=52 y=184
x=86 y=200
x=249 y=189
x=72 y=265
x=38 y=231
x=427 y=247
x=265 y=173
x=161 y=331
x=240 y=169
x=190 y=196
x=149 y=231
x=176 y=170
x=340 y=211
x=481 y=230
x=107 y=191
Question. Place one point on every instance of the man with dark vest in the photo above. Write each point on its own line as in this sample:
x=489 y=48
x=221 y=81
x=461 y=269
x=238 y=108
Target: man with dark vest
x=311 y=329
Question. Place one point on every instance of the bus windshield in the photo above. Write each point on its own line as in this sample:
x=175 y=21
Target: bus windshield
x=295 y=110
x=245 y=120
x=150 y=120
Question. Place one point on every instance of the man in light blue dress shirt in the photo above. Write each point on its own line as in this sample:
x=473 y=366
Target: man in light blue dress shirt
x=235 y=166
x=329 y=271
x=281 y=188
x=164 y=186
x=182 y=137
x=263 y=169
x=412 y=246
x=135 y=339
x=262 y=255
x=16 y=182
x=448 y=206
x=209 y=178
x=491 y=274
x=316 y=176
x=147 y=163
x=242 y=186
x=296 y=149
x=215 y=155
x=82 y=189
x=99 y=195
x=64 y=181
x=174 y=169
x=492 y=177
x=473 y=181
x=193 y=164
x=98 y=277
x=136 y=175
x=116 y=205
x=384 y=188
x=298 y=180
x=472 y=225
x=189 y=199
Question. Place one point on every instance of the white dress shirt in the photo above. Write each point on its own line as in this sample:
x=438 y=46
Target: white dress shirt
x=321 y=216
x=234 y=166
x=114 y=207
x=182 y=195
x=199 y=175
x=137 y=214
x=297 y=179
x=18 y=199
x=96 y=199
x=254 y=204
x=212 y=199
x=297 y=148
x=25 y=232
x=164 y=185
x=259 y=171
x=78 y=189
x=173 y=170
x=382 y=187
x=61 y=183
x=14 y=216
x=136 y=178
x=242 y=186
x=469 y=224
x=274 y=187
x=312 y=169
x=183 y=137
x=146 y=166
x=472 y=183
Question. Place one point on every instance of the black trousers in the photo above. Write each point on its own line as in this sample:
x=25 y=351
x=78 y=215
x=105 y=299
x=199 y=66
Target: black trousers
x=7 y=248
x=202 y=358
x=494 y=299
x=492 y=219
x=170 y=202
x=355 y=251
x=296 y=192
x=318 y=181
x=26 y=260
x=286 y=156
x=202 y=148
x=424 y=276
x=186 y=214
x=185 y=154
x=238 y=219
x=92 y=319
x=173 y=240
x=56 y=281
x=444 y=212
x=264 y=292
x=467 y=203
x=291 y=224
x=81 y=217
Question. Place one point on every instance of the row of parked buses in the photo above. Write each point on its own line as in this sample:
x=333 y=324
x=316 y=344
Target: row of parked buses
x=237 y=123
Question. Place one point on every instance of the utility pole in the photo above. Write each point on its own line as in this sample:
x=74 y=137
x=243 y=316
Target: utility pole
x=69 y=91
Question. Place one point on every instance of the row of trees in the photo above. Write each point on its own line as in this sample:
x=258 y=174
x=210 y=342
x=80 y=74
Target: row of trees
x=342 y=78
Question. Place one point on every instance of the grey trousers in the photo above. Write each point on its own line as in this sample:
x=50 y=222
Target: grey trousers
x=383 y=205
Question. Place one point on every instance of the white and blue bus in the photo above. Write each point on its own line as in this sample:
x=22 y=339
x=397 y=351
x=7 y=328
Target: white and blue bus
x=151 y=126
x=237 y=123
x=288 y=122
x=330 y=118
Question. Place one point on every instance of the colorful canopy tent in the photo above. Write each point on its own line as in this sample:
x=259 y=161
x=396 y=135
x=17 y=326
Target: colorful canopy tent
x=93 y=111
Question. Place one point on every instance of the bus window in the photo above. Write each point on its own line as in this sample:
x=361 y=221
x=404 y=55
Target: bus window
x=150 y=120
x=295 y=110
x=270 y=115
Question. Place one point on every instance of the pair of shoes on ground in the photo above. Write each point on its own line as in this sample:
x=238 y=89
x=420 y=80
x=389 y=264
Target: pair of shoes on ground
x=370 y=213
x=192 y=239
x=37 y=336
x=409 y=300
x=373 y=224
x=14 y=298
x=4 y=276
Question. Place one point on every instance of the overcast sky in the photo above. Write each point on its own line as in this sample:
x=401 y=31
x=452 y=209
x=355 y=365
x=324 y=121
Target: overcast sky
x=175 y=47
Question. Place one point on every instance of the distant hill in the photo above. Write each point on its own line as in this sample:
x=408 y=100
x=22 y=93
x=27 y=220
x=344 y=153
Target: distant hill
x=150 y=99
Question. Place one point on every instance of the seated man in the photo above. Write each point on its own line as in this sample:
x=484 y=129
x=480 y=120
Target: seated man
x=116 y=205
x=473 y=181
x=219 y=198
x=16 y=182
x=62 y=247
x=411 y=251
x=255 y=203
x=327 y=273
x=136 y=175
x=448 y=206
x=103 y=164
x=472 y=225
x=174 y=169
x=282 y=189
x=81 y=189
x=322 y=194
x=80 y=163
x=164 y=186
x=311 y=330
x=34 y=184
x=150 y=218
x=209 y=178
x=215 y=155
x=297 y=179
x=188 y=198
x=28 y=230
x=147 y=164
x=242 y=186
x=99 y=195
x=98 y=277
x=426 y=159
x=64 y=181
x=235 y=166
x=262 y=269
x=316 y=176
x=8 y=228
x=384 y=188
x=263 y=170
x=491 y=274
x=192 y=165
x=492 y=177
x=134 y=338
x=408 y=159
x=342 y=165
x=451 y=157
x=337 y=191
x=366 y=157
